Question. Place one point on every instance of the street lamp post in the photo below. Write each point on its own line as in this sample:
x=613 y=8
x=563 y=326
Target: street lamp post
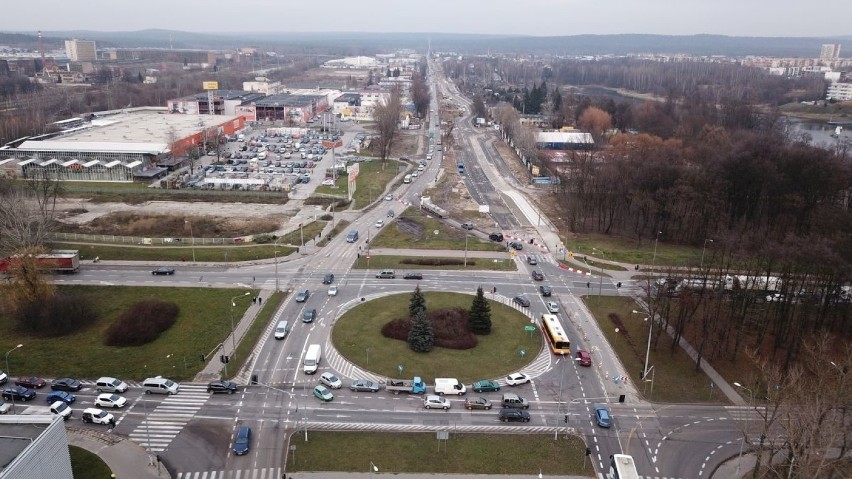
x=233 y=333
x=654 y=259
x=701 y=268
x=193 y=239
x=9 y=372
x=465 y=248
x=748 y=422
x=600 y=281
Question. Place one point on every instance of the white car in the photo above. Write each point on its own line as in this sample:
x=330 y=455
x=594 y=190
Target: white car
x=331 y=380
x=97 y=416
x=436 y=402
x=552 y=307
x=332 y=290
x=389 y=198
x=516 y=379
x=380 y=223
x=110 y=400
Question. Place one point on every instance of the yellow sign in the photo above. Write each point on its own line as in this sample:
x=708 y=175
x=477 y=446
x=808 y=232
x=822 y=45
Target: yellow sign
x=210 y=85
x=571 y=254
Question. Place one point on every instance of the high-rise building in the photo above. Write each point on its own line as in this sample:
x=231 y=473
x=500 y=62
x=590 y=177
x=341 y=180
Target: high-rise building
x=829 y=51
x=81 y=50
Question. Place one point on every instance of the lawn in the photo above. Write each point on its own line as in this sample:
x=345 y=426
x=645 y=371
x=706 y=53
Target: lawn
x=413 y=229
x=422 y=453
x=135 y=193
x=633 y=252
x=308 y=231
x=261 y=321
x=339 y=226
x=185 y=253
x=371 y=183
x=675 y=377
x=357 y=335
x=87 y=465
x=395 y=262
x=203 y=323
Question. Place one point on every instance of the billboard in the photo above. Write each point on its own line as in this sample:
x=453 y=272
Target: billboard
x=353 y=171
x=210 y=85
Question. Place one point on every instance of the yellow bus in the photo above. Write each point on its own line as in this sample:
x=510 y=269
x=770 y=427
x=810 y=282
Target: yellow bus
x=556 y=336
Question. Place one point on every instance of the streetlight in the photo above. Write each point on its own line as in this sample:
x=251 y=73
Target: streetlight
x=654 y=260
x=373 y=467
x=193 y=238
x=648 y=349
x=9 y=372
x=600 y=282
x=233 y=334
x=465 y=248
x=748 y=421
x=701 y=268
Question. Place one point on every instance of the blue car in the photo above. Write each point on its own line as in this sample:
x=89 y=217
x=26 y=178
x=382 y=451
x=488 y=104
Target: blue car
x=63 y=396
x=602 y=417
x=242 y=441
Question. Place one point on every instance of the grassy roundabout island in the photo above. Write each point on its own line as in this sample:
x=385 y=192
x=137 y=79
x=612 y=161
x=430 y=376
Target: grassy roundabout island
x=357 y=336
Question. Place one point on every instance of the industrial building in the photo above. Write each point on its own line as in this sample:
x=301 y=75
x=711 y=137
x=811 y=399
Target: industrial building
x=564 y=140
x=123 y=145
x=81 y=50
x=34 y=447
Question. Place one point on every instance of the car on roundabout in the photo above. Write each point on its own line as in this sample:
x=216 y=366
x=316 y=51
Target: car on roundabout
x=110 y=400
x=486 y=385
x=331 y=380
x=477 y=403
x=63 y=396
x=66 y=384
x=514 y=415
x=552 y=307
x=222 y=386
x=584 y=358
x=364 y=386
x=413 y=276
x=436 y=402
x=545 y=291
x=31 y=382
x=332 y=290
x=517 y=379
x=522 y=301
x=18 y=393
x=322 y=393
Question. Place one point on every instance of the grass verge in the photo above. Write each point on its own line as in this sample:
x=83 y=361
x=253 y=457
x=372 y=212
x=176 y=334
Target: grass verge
x=255 y=330
x=419 y=453
x=357 y=335
x=396 y=262
x=308 y=231
x=174 y=354
x=675 y=377
x=338 y=227
x=135 y=193
x=413 y=229
x=158 y=253
x=87 y=465
x=371 y=183
x=631 y=251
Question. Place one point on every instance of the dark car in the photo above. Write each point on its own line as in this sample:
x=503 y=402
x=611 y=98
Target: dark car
x=66 y=384
x=222 y=386
x=63 y=396
x=242 y=441
x=477 y=403
x=163 y=271
x=486 y=385
x=545 y=290
x=584 y=358
x=498 y=237
x=522 y=300
x=31 y=382
x=18 y=393
x=512 y=414
x=468 y=226
x=516 y=246
x=328 y=279
x=309 y=315
x=536 y=275
x=532 y=261
x=412 y=276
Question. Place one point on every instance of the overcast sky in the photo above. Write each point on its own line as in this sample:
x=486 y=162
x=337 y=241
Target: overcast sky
x=523 y=17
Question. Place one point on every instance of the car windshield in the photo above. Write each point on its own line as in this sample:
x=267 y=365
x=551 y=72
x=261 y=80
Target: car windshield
x=169 y=383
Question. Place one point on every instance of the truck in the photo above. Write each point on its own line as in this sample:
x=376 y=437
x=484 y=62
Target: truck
x=410 y=386
x=449 y=386
x=57 y=261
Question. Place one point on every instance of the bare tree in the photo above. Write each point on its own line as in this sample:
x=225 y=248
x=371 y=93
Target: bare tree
x=387 y=121
x=28 y=211
x=26 y=286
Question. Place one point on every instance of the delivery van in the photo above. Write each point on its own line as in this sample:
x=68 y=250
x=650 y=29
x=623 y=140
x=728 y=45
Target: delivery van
x=449 y=386
x=282 y=329
x=312 y=359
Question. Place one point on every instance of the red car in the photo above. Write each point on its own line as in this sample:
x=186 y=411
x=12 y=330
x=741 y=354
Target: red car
x=584 y=358
x=31 y=382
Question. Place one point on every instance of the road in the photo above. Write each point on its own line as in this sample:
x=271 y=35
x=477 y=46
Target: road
x=193 y=431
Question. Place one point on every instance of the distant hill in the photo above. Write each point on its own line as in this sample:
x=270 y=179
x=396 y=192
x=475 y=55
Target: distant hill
x=366 y=43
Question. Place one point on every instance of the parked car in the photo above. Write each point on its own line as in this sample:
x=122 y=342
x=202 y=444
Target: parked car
x=517 y=379
x=309 y=315
x=477 y=403
x=364 y=385
x=328 y=279
x=545 y=291
x=584 y=358
x=163 y=271
x=242 y=440
x=18 y=393
x=436 y=402
x=63 y=396
x=521 y=300
x=552 y=307
x=497 y=237
x=110 y=400
x=486 y=385
x=331 y=380
x=602 y=417
x=222 y=386
x=66 y=384
x=413 y=276
x=31 y=382
x=514 y=415
x=322 y=393
x=537 y=276
x=97 y=416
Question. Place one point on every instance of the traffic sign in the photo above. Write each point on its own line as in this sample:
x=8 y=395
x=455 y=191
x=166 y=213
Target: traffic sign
x=522 y=352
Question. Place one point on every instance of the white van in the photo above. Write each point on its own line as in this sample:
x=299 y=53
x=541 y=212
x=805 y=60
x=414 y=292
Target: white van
x=449 y=386
x=312 y=359
x=282 y=329
x=407 y=179
x=108 y=384
x=160 y=385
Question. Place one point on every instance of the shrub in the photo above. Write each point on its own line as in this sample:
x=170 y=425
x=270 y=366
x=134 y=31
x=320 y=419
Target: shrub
x=142 y=323
x=58 y=316
x=438 y=261
x=263 y=238
x=449 y=327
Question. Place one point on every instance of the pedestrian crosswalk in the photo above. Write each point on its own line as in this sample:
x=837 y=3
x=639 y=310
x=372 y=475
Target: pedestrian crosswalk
x=167 y=419
x=262 y=473
x=539 y=259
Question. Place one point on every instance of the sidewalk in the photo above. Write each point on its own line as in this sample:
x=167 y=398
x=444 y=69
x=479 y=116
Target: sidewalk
x=124 y=457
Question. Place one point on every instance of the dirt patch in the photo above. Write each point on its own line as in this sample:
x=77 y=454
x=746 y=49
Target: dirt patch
x=409 y=226
x=519 y=171
x=125 y=223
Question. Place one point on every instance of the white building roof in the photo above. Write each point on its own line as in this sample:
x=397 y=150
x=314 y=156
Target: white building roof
x=112 y=163
x=573 y=137
x=75 y=146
